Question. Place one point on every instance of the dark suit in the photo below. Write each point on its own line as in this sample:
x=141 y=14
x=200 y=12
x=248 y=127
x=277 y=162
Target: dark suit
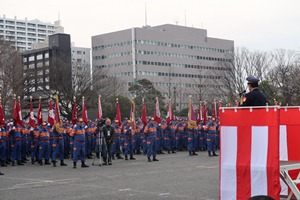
x=254 y=98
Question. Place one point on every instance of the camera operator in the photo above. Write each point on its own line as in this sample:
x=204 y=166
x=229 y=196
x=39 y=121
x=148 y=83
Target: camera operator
x=108 y=132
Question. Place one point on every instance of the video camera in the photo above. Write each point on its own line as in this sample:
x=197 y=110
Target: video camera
x=101 y=123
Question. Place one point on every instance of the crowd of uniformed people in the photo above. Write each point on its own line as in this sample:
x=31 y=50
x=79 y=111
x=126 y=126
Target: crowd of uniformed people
x=51 y=145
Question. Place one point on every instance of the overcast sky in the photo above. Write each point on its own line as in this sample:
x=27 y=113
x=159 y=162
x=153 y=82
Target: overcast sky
x=254 y=24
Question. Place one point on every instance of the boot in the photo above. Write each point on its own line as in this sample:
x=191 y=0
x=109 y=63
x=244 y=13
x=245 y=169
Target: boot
x=23 y=161
x=119 y=156
x=7 y=162
x=19 y=162
x=214 y=154
x=169 y=152
x=154 y=159
x=113 y=156
x=132 y=158
x=3 y=164
x=40 y=162
x=54 y=163
x=1 y=173
x=138 y=152
x=12 y=163
x=84 y=165
x=190 y=153
x=97 y=155
x=47 y=162
x=32 y=161
x=62 y=163
x=126 y=157
x=162 y=152
x=173 y=151
x=149 y=159
x=209 y=154
x=74 y=165
x=194 y=153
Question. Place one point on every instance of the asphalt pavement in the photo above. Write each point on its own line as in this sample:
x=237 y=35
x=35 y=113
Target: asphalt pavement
x=175 y=176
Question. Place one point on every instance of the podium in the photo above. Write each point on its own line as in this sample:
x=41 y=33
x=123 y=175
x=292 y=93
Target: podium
x=285 y=167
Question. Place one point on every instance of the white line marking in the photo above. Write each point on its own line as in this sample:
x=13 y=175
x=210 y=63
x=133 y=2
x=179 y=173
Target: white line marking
x=121 y=190
x=207 y=167
x=164 y=194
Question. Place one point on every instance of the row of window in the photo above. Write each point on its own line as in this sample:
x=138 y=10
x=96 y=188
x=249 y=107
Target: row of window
x=37 y=57
x=24 y=24
x=166 y=74
x=165 y=44
x=24 y=34
x=163 y=54
x=28 y=29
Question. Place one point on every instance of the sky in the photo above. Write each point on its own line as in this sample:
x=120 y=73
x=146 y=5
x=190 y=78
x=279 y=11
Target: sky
x=262 y=25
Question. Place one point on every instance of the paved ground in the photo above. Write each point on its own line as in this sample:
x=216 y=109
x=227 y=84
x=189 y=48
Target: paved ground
x=175 y=176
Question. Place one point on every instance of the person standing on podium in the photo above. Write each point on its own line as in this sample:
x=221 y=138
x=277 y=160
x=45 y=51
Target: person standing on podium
x=255 y=97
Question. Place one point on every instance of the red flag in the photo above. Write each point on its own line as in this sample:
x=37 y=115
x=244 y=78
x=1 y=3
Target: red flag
x=51 y=113
x=249 y=161
x=31 y=115
x=17 y=112
x=132 y=116
x=84 y=111
x=157 y=112
x=74 y=112
x=57 y=110
x=1 y=113
x=144 y=114
x=205 y=113
x=99 y=114
x=40 y=115
x=200 y=112
x=118 y=112
x=169 y=113
x=214 y=112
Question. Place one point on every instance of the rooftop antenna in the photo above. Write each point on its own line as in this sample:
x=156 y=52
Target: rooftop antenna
x=145 y=14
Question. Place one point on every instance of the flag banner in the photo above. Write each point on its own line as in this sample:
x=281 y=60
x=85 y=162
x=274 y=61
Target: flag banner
x=31 y=115
x=205 y=113
x=144 y=114
x=289 y=147
x=200 y=112
x=51 y=116
x=170 y=116
x=74 y=112
x=84 y=111
x=118 y=112
x=57 y=110
x=132 y=116
x=99 y=113
x=1 y=113
x=249 y=163
x=17 y=112
x=157 y=112
x=40 y=115
x=191 y=114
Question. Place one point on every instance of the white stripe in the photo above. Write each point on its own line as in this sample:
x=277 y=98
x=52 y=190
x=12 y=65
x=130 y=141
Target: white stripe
x=283 y=152
x=259 y=153
x=228 y=162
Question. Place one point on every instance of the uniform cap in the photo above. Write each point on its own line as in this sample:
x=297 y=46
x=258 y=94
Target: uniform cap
x=152 y=119
x=79 y=120
x=252 y=79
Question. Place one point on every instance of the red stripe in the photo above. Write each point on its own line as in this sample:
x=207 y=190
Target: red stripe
x=293 y=146
x=274 y=187
x=243 y=162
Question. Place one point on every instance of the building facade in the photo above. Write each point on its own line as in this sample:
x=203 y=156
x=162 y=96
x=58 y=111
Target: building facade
x=47 y=70
x=24 y=33
x=81 y=65
x=179 y=61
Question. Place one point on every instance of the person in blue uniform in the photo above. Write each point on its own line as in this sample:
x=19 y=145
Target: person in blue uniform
x=78 y=133
x=255 y=97
x=44 y=145
x=151 y=132
x=128 y=141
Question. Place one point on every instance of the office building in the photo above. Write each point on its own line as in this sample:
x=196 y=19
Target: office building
x=24 y=33
x=179 y=61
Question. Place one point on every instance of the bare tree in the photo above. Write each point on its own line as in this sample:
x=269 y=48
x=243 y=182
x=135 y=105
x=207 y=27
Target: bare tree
x=11 y=77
